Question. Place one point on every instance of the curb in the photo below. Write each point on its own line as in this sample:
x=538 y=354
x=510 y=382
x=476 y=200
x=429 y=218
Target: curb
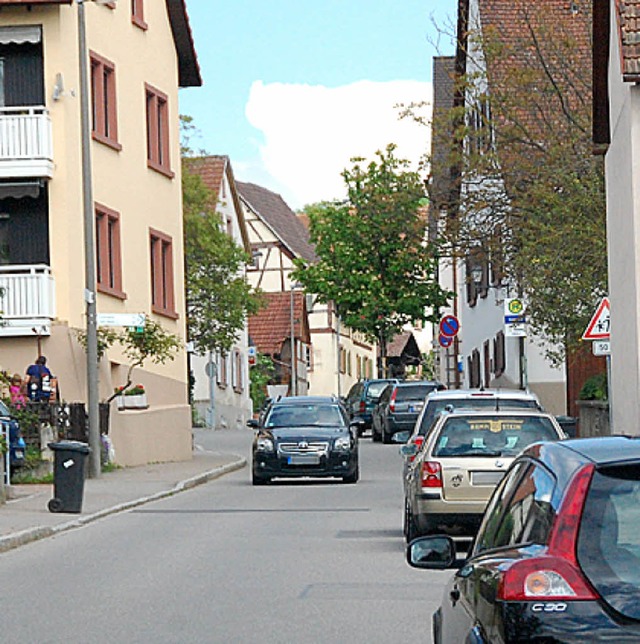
x=30 y=535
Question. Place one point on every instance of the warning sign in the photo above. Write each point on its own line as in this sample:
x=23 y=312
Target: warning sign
x=598 y=328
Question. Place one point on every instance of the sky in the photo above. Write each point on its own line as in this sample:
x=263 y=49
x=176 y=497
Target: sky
x=293 y=89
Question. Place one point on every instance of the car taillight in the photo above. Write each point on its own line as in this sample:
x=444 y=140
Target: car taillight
x=555 y=574
x=417 y=441
x=431 y=474
x=362 y=407
x=392 y=401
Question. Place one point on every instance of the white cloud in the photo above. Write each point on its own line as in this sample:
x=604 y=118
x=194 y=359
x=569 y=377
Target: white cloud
x=311 y=132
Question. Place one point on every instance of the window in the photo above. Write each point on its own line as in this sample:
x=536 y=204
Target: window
x=474 y=369
x=108 y=257
x=526 y=515
x=308 y=356
x=236 y=371
x=486 y=363
x=1 y=82
x=137 y=14
x=162 y=293
x=103 y=96
x=221 y=371
x=499 y=363
x=158 y=131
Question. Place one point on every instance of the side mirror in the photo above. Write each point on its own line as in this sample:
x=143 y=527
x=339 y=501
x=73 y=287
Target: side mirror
x=409 y=450
x=400 y=437
x=253 y=423
x=357 y=423
x=432 y=553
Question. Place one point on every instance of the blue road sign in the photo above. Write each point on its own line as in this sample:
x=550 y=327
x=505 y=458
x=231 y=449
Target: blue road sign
x=444 y=340
x=449 y=326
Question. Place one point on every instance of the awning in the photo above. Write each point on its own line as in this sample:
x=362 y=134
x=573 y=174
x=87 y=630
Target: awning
x=20 y=35
x=20 y=189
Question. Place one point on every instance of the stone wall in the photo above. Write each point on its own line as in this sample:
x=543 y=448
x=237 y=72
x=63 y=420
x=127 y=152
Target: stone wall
x=594 y=418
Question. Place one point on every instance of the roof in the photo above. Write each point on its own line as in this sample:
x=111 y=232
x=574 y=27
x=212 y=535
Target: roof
x=483 y=393
x=271 y=326
x=212 y=170
x=273 y=210
x=628 y=12
x=606 y=449
x=403 y=344
x=306 y=400
x=188 y=68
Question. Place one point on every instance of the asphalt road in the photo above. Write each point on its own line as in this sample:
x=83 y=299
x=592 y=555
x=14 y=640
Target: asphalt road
x=292 y=562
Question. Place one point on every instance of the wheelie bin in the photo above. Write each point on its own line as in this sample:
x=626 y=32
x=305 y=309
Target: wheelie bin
x=68 y=476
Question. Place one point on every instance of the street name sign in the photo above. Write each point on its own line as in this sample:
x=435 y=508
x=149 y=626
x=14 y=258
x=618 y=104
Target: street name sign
x=121 y=319
x=599 y=326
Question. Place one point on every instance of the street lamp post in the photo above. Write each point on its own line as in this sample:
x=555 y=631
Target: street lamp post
x=294 y=375
x=89 y=252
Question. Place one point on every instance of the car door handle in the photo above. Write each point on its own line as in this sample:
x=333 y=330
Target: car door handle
x=454 y=595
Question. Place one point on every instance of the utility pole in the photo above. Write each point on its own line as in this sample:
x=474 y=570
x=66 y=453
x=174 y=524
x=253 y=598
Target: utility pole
x=89 y=252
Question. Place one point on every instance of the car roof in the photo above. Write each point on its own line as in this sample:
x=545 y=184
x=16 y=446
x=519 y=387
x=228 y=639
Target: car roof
x=482 y=393
x=407 y=383
x=606 y=450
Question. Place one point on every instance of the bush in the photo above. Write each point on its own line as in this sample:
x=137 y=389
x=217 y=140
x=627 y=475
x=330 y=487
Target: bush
x=595 y=388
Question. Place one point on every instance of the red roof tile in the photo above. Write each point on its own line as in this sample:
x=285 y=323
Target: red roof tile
x=271 y=326
x=628 y=12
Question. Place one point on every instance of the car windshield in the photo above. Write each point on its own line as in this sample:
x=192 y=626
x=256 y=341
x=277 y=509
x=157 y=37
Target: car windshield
x=435 y=407
x=414 y=392
x=491 y=435
x=304 y=415
x=609 y=540
x=375 y=389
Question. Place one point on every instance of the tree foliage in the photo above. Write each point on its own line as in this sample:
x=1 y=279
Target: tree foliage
x=530 y=192
x=219 y=298
x=374 y=259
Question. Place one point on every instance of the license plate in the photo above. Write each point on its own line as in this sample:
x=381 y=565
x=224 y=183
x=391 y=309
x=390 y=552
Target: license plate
x=303 y=459
x=486 y=478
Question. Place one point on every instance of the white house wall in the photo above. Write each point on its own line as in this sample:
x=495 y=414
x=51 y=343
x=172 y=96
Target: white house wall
x=623 y=214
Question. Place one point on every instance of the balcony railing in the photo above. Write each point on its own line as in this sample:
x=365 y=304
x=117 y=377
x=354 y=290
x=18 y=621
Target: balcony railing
x=27 y=299
x=26 y=147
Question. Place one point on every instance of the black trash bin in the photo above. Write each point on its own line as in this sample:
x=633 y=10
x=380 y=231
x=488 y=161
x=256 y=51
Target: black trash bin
x=68 y=475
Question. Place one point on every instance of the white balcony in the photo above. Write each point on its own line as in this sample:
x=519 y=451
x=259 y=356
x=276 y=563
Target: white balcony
x=27 y=301
x=26 y=146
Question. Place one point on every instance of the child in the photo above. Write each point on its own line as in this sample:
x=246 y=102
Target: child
x=17 y=391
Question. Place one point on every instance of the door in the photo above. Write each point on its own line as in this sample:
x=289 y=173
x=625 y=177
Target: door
x=22 y=74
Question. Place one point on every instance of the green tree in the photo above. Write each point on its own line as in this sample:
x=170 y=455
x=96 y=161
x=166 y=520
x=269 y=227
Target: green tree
x=530 y=193
x=219 y=298
x=260 y=375
x=374 y=260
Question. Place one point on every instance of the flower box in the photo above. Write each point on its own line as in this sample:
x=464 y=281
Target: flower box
x=138 y=401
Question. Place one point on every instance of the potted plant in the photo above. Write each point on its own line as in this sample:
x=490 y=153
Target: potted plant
x=135 y=398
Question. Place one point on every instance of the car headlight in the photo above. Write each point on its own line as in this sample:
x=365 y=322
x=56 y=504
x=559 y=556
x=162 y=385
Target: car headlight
x=264 y=445
x=342 y=444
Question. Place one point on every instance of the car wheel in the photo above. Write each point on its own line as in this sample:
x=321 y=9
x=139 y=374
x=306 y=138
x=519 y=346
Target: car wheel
x=386 y=438
x=375 y=437
x=259 y=480
x=352 y=478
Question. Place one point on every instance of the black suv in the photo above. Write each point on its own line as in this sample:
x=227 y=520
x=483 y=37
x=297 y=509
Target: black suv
x=305 y=436
x=399 y=406
x=362 y=398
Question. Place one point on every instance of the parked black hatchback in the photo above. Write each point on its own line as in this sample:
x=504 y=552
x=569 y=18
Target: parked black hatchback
x=557 y=556
x=362 y=398
x=305 y=436
x=399 y=406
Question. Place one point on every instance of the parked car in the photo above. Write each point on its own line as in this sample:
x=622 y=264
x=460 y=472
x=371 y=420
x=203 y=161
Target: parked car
x=557 y=557
x=305 y=436
x=449 y=399
x=362 y=398
x=399 y=406
x=461 y=462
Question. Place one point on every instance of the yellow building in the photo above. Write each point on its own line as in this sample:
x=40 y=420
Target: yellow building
x=140 y=53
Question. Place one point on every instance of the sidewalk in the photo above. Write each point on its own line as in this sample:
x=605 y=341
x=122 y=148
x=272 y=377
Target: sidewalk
x=25 y=517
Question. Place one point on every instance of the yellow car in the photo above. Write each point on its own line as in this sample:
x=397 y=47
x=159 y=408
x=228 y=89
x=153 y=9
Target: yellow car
x=462 y=460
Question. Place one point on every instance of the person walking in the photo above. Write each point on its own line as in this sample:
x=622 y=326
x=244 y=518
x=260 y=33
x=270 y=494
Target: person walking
x=39 y=381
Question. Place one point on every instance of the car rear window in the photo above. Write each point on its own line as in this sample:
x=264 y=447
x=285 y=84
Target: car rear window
x=609 y=539
x=435 y=407
x=414 y=392
x=375 y=389
x=491 y=435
